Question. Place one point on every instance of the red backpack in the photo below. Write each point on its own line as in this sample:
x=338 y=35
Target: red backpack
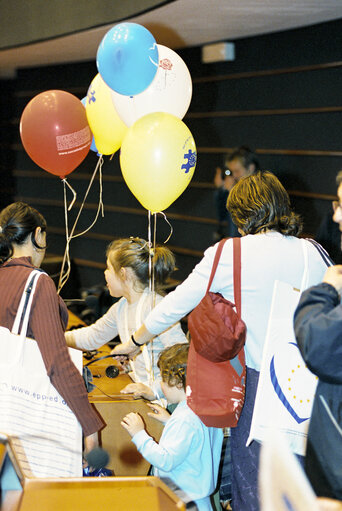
x=216 y=370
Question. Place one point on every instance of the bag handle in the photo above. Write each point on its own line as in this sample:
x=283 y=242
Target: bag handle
x=304 y=283
x=25 y=303
x=237 y=274
x=237 y=270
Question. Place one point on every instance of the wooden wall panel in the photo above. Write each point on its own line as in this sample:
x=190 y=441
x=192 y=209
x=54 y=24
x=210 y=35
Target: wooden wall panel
x=281 y=96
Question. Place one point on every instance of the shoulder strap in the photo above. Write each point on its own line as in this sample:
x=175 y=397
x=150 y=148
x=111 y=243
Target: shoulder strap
x=237 y=274
x=237 y=270
x=215 y=263
x=304 y=283
x=23 y=312
x=323 y=253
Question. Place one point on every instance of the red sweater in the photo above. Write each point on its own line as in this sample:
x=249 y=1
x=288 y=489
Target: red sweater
x=48 y=319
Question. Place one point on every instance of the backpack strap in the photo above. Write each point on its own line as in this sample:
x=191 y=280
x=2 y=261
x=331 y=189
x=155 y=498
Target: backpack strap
x=215 y=263
x=322 y=252
x=237 y=274
x=237 y=270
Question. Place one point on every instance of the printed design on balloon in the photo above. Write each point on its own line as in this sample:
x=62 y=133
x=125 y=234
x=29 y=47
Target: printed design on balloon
x=153 y=49
x=191 y=157
x=166 y=78
x=107 y=127
x=281 y=394
x=73 y=142
x=166 y=64
x=91 y=96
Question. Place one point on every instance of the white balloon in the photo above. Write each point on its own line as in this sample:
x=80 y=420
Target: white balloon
x=170 y=91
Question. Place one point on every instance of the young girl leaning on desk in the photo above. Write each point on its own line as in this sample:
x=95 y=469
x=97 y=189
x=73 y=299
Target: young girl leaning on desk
x=127 y=277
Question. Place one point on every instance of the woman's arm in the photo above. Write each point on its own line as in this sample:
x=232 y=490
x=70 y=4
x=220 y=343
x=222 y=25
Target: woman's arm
x=71 y=341
x=181 y=301
x=96 y=335
x=141 y=337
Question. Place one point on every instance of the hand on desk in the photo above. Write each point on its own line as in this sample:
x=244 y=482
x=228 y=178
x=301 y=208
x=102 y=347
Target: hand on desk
x=139 y=390
x=158 y=412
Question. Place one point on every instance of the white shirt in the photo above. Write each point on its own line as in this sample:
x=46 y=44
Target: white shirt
x=264 y=259
x=123 y=319
x=188 y=453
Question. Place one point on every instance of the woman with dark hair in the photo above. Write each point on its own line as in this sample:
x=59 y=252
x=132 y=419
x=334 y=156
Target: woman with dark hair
x=270 y=251
x=22 y=249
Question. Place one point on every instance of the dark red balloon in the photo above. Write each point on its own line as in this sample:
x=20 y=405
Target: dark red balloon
x=54 y=131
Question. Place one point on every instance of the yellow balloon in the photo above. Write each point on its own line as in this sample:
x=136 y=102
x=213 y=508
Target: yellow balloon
x=107 y=127
x=158 y=159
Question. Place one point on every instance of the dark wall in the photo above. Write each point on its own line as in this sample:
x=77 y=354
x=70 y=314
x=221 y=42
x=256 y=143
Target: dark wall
x=7 y=138
x=281 y=96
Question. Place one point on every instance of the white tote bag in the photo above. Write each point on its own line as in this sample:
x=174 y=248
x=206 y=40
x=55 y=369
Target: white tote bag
x=286 y=387
x=44 y=431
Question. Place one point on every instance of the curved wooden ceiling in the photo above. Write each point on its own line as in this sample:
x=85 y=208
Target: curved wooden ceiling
x=176 y=24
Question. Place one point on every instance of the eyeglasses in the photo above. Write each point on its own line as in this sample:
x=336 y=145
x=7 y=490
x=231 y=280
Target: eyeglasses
x=336 y=205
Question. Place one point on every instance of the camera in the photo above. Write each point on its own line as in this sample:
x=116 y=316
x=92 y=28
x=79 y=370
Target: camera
x=225 y=172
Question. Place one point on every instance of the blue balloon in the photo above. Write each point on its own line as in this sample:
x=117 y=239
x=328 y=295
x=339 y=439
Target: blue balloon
x=127 y=58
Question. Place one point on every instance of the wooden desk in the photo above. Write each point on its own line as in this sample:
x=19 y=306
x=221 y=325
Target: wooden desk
x=19 y=493
x=103 y=493
x=74 y=321
x=97 y=493
x=125 y=460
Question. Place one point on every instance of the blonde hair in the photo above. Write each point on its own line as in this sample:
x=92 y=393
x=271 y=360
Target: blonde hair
x=172 y=363
x=134 y=253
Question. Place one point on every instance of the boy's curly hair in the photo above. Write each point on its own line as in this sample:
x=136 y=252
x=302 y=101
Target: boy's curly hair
x=172 y=363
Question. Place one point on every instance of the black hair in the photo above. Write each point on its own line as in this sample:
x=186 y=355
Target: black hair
x=246 y=157
x=17 y=222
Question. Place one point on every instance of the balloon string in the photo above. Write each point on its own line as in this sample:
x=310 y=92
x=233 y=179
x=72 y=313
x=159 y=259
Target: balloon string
x=99 y=208
x=63 y=277
x=153 y=258
x=151 y=253
x=69 y=236
x=149 y=250
x=65 y=181
x=171 y=228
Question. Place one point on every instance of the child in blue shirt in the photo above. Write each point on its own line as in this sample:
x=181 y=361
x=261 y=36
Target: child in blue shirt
x=188 y=452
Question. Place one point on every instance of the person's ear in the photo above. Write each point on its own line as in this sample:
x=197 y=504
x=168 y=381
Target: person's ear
x=123 y=273
x=241 y=232
x=37 y=234
x=251 y=168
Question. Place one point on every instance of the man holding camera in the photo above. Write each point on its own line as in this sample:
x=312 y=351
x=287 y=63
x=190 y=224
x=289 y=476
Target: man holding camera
x=240 y=163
